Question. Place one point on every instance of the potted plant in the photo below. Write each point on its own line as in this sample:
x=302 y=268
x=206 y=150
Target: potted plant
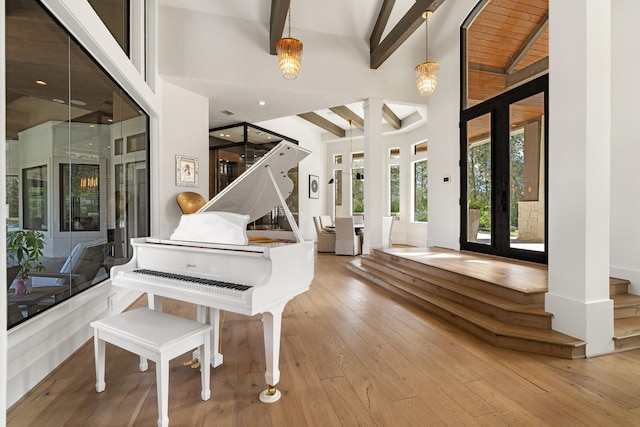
x=24 y=248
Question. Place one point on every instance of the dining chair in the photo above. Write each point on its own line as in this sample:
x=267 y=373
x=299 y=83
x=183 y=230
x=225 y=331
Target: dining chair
x=347 y=241
x=387 y=229
x=326 y=241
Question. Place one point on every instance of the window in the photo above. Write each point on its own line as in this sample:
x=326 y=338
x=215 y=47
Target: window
x=421 y=188
x=420 y=148
x=394 y=189
x=394 y=153
x=34 y=198
x=115 y=16
x=79 y=162
x=357 y=183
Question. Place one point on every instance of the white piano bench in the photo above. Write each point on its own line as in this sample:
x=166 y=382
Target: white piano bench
x=158 y=336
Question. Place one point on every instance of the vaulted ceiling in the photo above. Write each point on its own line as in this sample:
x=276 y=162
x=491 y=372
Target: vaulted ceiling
x=507 y=44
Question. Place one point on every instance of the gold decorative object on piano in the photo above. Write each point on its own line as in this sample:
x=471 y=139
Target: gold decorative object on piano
x=190 y=202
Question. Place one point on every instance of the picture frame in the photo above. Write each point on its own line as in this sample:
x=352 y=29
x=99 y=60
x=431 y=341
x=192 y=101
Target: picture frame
x=186 y=171
x=314 y=187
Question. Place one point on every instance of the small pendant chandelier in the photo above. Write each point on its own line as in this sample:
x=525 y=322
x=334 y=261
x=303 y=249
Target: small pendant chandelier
x=427 y=72
x=289 y=52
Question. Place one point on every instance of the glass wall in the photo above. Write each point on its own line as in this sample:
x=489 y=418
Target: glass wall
x=76 y=165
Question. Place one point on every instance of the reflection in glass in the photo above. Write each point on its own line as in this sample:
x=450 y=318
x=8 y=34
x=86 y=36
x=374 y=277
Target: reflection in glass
x=526 y=171
x=479 y=180
x=79 y=147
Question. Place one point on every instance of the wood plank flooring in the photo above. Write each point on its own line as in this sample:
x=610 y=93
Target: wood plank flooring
x=352 y=354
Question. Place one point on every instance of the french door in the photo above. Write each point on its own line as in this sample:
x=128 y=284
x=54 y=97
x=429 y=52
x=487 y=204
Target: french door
x=503 y=165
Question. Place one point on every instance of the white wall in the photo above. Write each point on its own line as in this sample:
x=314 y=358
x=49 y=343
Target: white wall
x=313 y=164
x=184 y=131
x=625 y=143
x=442 y=130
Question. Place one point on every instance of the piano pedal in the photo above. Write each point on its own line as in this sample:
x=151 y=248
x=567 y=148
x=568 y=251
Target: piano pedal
x=195 y=366
x=191 y=363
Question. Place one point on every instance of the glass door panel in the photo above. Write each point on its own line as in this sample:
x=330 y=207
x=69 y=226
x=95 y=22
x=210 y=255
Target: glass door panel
x=479 y=179
x=526 y=174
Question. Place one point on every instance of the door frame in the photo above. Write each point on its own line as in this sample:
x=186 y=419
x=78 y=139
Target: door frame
x=498 y=107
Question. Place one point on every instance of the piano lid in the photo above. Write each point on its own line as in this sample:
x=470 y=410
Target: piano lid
x=253 y=193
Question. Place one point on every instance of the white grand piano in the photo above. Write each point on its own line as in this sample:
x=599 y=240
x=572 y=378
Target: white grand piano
x=257 y=275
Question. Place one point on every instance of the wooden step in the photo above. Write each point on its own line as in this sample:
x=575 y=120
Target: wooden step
x=618 y=286
x=530 y=315
x=626 y=333
x=501 y=289
x=484 y=327
x=626 y=306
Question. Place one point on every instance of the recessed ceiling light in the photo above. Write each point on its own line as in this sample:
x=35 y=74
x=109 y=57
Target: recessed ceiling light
x=228 y=136
x=222 y=134
x=262 y=103
x=41 y=82
x=59 y=101
x=77 y=102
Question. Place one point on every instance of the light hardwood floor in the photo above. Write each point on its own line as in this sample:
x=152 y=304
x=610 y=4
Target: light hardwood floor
x=352 y=354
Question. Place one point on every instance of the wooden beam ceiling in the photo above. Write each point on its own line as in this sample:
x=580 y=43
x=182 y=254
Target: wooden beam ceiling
x=401 y=32
x=279 y=10
x=528 y=44
x=391 y=117
x=325 y=124
x=381 y=22
x=348 y=115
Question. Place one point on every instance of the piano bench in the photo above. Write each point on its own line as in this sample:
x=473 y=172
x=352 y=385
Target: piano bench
x=158 y=336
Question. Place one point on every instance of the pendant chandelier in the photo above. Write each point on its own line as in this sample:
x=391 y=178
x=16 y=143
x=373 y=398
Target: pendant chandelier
x=289 y=52
x=427 y=72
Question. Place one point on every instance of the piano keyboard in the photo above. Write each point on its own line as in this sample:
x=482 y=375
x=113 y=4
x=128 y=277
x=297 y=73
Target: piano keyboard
x=196 y=283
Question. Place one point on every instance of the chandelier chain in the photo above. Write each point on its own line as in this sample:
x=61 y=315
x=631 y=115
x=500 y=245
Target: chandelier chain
x=289 y=18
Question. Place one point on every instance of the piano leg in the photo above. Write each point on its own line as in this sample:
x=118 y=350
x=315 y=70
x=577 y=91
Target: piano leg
x=213 y=319
x=272 y=325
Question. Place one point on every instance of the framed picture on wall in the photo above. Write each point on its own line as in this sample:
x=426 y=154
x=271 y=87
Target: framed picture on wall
x=314 y=187
x=186 y=171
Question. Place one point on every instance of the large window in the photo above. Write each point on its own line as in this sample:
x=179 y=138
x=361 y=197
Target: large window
x=394 y=189
x=76 y=165
x=421 y=192
x=357 y=183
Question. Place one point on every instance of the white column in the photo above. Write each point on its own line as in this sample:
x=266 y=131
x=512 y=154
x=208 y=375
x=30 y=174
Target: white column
x=374 y=174
x=579 y=171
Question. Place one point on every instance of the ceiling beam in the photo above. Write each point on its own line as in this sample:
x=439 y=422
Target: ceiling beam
x=349 y=115
x=487 y=68
x=407 y=25
x=381 y=23
x=527 y=73
x=323 y=123
x=279 y=9
x=391 y=117
x=528 y=44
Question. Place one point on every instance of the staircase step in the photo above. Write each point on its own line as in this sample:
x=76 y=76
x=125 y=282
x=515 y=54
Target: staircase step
x=485 y=327
x=530 y=315
x=618 y=286
x=626 y=334
x=502 y=290
x=626 y=306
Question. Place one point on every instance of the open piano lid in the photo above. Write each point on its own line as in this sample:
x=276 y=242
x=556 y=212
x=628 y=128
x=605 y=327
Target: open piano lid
x=255 y=191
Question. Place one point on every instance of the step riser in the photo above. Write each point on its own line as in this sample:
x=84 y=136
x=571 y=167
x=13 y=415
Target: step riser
x=461 y=280
x=521 y=319
x=626 y=312
x=515 y=343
